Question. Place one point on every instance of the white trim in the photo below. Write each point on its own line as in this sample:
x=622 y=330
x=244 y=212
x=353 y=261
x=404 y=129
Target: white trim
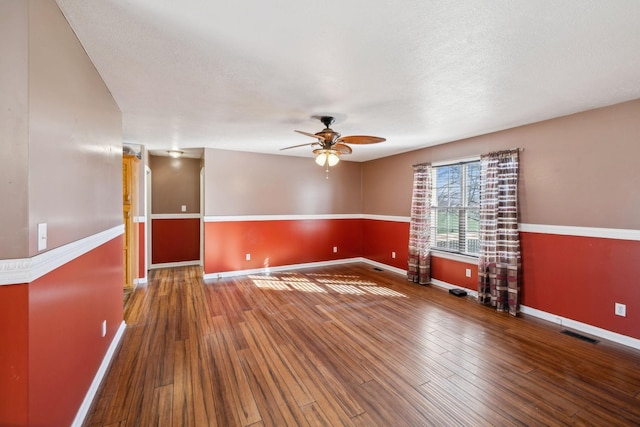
x=176 y=264
x=176 y=216
x=566 y=230
x=384 y=266
x=237 y=218
x=263 y=270
x=605 y=233
x=149 y=224
x=445 y=285
x=140 y=219
x=454 y=257
x=26 y=270
x=582 y=327
x=95 y=384
x=221 y=274
x=139 y=281
x=387 y=218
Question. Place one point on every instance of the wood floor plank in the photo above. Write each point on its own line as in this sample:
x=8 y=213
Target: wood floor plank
x=263 y=392
x=334 y=397
x=162 y=406
x=202 y=382
x=234 y=381
x=277 y=360
x=348 y=345
x=270 y=374
x=182 y=400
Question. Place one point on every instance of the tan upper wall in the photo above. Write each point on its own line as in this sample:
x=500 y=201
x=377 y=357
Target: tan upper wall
x=577 y=170
x=175 y=182
x=239 y=183
x=63 y=119
x=14 y=129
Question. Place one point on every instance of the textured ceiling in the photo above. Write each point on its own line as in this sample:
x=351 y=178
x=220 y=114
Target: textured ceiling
x=242 y=75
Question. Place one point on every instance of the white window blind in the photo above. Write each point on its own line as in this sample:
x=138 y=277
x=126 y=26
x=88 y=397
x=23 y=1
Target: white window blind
x=455 y=208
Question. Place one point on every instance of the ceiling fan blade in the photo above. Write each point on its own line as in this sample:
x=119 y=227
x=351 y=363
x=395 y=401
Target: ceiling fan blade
x=361 y=139
x=300 y=145
x=342 y=148
x=309 y=134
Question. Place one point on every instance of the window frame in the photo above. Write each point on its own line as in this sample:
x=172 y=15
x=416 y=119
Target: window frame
x=462 y=210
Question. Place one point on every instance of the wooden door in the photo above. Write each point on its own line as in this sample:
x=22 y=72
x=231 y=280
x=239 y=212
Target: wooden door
x=129 y=210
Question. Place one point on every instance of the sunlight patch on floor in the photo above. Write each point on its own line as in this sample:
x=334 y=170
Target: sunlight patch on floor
x=346 y=289
x=346 y=284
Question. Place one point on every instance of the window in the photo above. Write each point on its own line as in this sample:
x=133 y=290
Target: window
x=455 y=208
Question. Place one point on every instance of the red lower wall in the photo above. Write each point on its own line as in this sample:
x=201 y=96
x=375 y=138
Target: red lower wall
x=454 y=272
x=175 y=240
x=14 y=355
x=66 y=309
x=578 y=278
x=275 y=243
x=381 y=238
x=142 y=254
x=581 y=278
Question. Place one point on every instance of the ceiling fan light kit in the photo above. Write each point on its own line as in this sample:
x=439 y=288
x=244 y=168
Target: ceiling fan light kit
x=331 y=144
x=328 y=157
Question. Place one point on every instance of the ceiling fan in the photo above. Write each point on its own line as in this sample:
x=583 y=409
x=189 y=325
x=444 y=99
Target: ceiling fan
x=331 y=145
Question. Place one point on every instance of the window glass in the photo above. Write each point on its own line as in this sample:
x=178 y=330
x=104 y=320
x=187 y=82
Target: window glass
x=455 y=208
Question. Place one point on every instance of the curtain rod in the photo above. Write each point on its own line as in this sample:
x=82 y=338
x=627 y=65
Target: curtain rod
x=478 y=156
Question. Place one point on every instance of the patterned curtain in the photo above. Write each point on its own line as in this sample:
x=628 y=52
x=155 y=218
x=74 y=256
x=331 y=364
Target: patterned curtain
x=499 y=264
x=419 y=270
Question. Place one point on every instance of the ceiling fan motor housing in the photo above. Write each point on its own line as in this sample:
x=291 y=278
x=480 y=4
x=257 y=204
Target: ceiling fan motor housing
x=328 y=136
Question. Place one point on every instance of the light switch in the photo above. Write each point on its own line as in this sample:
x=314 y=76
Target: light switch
x=184 y=208
x=42 y=236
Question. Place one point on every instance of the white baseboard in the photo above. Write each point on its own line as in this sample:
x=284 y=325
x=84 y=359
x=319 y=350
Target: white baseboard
x=139 y=281
x=384 y=266
x=93 y=389
x=562 y=321
x=582 y=327
x=445 y=285
x=266 y=270
x=175 y=264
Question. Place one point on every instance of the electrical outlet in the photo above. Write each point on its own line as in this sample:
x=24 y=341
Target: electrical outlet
x=393 y=255
x=104 y=328
x=621 y=310
x=468 y=272
x=335 y=249
x=247 y=257
x=184 y=208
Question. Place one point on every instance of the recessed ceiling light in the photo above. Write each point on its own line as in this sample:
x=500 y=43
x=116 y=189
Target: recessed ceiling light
x=175 y=153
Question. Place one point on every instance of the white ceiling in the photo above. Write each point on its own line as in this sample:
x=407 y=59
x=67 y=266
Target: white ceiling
x=243 y=74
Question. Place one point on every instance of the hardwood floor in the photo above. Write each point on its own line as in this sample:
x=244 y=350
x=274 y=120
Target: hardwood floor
x=349 y=345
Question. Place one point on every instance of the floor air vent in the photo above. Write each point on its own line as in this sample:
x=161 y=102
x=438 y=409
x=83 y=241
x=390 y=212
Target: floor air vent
x=377 y=269
x=579 y=336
